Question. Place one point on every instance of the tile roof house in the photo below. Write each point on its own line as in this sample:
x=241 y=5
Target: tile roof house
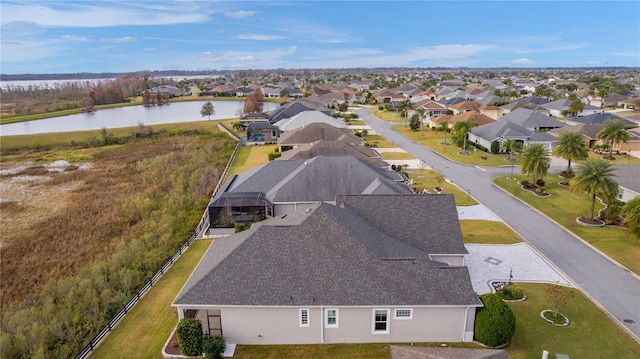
x=337 y=274
x=278 y=187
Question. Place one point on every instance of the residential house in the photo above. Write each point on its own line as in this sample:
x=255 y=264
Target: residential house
x=431 y=108
x=532 y=120
x=588 y=130
x=315 y=132
x=600 y=118
x=502 y=131
x=556 y=108
x=262 y=132
x=628 y=179
x=530 y=102
x=305 y=118
x=338 y=147
x=290 y=109
x=282 y=186
x=250 y=117
x=362 y=271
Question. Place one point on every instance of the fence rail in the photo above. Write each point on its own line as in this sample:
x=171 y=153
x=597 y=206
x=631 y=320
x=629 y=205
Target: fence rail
x=203 y=225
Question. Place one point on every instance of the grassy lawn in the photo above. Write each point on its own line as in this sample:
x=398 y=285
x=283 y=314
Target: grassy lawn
x=487 y=232
x=396 y=156
x=145 y=329
x=249 y=157
x=590 y=334
x=430 y=181
x=388 y=116
x=378 y=141
x=356 y=123
x=63 y=138
x=563 y=206
x=433 y=140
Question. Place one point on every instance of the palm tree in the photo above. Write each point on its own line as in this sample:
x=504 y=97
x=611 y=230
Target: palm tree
x=571 y=146
x=632 y=211
x=535 y=161
x=614 y=131
x=509 y=145
x=461 y=129
x=576 y=107
x=444 y=127
x=595 y=177
x=421 y=115
x=403 y=107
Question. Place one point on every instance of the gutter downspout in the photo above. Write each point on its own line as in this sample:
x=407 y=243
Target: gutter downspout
x=464 y=326
x=322 y=325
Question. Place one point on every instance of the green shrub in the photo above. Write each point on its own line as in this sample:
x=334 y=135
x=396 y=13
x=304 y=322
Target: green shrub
x=512 y=292
x=190 y=337
x=495 y=323
x=273 y=156
x=214 y=347
x=495 y=147
x=239 y=227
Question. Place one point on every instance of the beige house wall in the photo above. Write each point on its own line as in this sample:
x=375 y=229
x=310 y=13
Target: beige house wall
x=281 y=325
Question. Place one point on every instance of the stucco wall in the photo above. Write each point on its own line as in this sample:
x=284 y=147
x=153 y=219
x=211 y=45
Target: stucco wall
x=280 y=325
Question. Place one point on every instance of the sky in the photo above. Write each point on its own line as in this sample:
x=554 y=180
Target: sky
x=55 y=36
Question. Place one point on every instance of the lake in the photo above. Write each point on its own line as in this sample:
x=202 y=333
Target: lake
x=131 y=116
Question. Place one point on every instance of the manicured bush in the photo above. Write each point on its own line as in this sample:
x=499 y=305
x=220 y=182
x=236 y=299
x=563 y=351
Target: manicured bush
x=273 y=156
x=214 y=347
x=190 y=337
x=495 y=147
x=512 y=292
x=495 y=323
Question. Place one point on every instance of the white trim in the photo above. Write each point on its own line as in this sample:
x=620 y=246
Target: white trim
x=337 y=318
x=387 y=321
x=215 y=306
x=300 y=317
x=396 y=317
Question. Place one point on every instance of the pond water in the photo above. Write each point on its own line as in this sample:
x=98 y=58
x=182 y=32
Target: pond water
x=131 y=116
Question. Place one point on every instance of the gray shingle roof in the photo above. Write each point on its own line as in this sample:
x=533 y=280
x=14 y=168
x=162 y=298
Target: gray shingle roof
x=318 y=131
x=602 y=118
x=315 y=256
x=531 y=119
x=306 y=118
x=501 y=129
x=334 y=148
x=427 y=222
x=321 y=178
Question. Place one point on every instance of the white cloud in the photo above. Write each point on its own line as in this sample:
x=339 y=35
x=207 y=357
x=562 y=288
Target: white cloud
x=149 y=49
x=626 y=54
x=88 y=15
x=240 y=14
x=522 y=61
x=120 y=40
x=260 y=37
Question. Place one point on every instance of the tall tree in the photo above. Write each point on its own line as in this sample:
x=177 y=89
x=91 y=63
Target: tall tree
x=594 y=177
x=576 y=107
x=461 y=129
x=631 y=210
x=207 y=110
x=254 y=102
x=444 y=127
x=509 y=145
x=403 y=107
x=422 y=114
x=535 y=161
x=614 y=131
x=571 y=146
x=414 y=124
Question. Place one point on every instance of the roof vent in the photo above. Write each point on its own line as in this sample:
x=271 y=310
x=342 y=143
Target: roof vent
x=308 y=210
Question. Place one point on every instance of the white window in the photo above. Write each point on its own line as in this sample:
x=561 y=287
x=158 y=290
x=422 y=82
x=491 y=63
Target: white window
x=403 y=314
x=304 y=317
x=381 y=321
x=331 y=318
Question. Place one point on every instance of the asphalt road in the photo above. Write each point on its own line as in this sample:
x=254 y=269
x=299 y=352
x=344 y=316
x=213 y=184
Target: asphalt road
x=612 y=287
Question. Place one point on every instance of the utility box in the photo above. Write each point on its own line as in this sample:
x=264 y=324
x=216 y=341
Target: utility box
x=562 y=356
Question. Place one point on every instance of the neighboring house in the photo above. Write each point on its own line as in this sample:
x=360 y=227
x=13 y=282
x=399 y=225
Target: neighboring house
x=305 y=118
x=628 y=178
x=600 y=118
x=168 y=91
x=501 y=131
x=362 y=271
x=271 y=92
x=532 y=120
x=334 y=148
x=290 y=109
x=315 y=132
x=431 y=108
x=557 y=107
x=465 y=106
x=588 y=130
x=262 y=132
x=282 y=186
x=386 y=96
x=250 y=117
x=530 y=102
